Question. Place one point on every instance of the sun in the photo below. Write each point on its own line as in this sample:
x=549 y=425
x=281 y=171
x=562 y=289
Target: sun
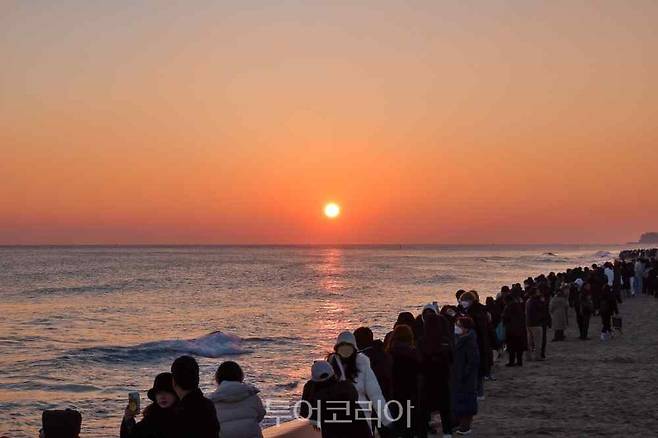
x=332 y=210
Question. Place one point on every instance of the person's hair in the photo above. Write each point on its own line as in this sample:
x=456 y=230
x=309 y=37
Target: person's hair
x=468 y=296
x=349 y=365
x=475 y=294
x=364 y=337
x=185 y=372
x=403 y=335
x=466 y=322
x=406 y=318
x=459 y=293
x=489 y=300
x=229 y=371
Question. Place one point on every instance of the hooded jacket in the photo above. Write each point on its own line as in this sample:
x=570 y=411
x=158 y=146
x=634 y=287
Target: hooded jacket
x=239 y=410
x=382 y=365
x=366 y=385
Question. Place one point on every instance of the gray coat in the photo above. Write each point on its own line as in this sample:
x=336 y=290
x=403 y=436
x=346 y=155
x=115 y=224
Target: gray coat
x=559 y=308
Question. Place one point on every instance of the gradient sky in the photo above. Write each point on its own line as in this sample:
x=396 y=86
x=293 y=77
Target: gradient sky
x=235 y=121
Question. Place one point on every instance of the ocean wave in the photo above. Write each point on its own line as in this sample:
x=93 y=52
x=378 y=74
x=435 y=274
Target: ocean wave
x=78 y=290
x=603 y=255
x=215 y=344
x=438 y=279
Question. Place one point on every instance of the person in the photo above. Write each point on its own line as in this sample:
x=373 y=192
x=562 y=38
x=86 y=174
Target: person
x=436 y=353
x=195 y=415
x=406 y=318
x=584 y=306
x=638 y=279
x=608 y=307
x=470 y=306
x=534 y=315
x=158 y=419
x=60 y=424
x=559 y=308
x=465 y=374
x=239 y=408
x=380 y=361
x=324 y=402
x=406 y=384
x=515 y=330
x=352 y=366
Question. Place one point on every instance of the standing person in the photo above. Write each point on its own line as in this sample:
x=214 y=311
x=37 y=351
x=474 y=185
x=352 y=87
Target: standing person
x=60 y=424
x=584 y=306
x=515 y=330
x=406 y=318
x=196 y=416
x=158 y=420
x=465 y=375
x=470 y=306
x=534 y=315
x=331 y=404
x=238 y=406
x=352 y=366
x=608 y=307
x=638 y=280
x=559 y=308
x=380 y=361
x=627 y=278
x=436 y=361
x=406 y=384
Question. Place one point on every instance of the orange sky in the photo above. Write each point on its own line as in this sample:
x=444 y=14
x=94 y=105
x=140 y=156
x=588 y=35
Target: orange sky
x=235 y=121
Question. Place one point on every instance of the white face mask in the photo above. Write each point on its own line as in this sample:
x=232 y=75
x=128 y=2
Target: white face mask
x=345 y=351
x=465 y=304
x=459 y=330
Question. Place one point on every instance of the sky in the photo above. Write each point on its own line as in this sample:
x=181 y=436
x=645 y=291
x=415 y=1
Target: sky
x=234 y=122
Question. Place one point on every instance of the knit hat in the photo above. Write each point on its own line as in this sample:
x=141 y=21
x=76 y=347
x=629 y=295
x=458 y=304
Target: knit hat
x=321 y=371
x=162 y=382
x=346 y=338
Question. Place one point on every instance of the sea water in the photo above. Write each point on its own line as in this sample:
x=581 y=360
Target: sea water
x=81 y=327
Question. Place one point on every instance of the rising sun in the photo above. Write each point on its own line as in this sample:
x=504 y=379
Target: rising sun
x=332 y=210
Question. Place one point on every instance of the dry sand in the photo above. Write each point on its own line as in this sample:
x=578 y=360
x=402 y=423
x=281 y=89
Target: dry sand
x=584 y=388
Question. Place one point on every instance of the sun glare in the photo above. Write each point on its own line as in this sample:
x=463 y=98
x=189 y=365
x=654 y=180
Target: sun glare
x=332 y=210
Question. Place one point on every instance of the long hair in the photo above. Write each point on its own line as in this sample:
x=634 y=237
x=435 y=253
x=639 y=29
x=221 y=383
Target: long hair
x=402 y=335
x=349 y=365
x=433 y=335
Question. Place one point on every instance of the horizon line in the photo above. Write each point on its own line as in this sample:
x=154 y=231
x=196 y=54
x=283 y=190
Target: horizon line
x=301 y=245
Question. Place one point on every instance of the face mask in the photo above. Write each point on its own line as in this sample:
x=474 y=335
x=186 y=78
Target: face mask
x=459 y=330
x=465 y=304
x=345 y=351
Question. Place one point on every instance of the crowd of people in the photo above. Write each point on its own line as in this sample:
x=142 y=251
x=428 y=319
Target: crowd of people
x=429 y=370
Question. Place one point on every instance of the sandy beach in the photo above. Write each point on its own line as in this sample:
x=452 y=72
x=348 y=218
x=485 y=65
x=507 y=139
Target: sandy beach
x=584 y=388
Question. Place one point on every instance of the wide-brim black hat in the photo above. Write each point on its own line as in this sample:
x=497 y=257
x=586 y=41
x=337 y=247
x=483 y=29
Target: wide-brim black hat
x=162 y=382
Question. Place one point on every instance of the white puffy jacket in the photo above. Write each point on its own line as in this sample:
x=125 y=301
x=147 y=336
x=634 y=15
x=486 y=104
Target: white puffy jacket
x=366 y=384
x=239 y=410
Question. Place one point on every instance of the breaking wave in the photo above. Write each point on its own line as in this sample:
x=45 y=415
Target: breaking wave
x=215 y=344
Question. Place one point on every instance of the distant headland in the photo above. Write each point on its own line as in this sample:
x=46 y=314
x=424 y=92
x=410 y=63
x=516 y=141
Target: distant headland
x=649 y=238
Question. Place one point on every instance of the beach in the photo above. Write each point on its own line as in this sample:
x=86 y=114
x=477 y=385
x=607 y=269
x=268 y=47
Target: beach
x=84 y=326
x=584 y=388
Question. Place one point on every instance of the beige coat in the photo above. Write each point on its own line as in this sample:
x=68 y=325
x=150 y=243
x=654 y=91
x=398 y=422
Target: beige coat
x=559 y=308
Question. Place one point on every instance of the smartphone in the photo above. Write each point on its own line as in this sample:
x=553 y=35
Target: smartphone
x=133 y=402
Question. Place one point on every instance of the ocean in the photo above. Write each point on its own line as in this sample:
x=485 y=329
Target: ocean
x=80 y=327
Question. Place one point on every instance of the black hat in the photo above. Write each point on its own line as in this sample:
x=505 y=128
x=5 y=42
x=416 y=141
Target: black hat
x=162 y=382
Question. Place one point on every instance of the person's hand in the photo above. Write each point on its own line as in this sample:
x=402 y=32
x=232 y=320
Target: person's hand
x=129 y=415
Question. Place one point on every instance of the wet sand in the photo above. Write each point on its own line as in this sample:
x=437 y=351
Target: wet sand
x=584 y=388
